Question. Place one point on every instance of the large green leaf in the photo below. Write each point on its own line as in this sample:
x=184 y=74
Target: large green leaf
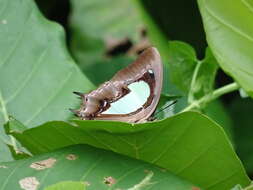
x=37 y=75
x=98 y=169
x=229 y=30
x=188 y=144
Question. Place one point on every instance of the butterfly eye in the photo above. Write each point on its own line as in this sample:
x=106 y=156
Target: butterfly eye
x=103 y=103
x=150 y=71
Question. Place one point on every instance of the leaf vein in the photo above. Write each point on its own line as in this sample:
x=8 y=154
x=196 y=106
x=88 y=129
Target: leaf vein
x=28 y=78
x=50 y=99
x=20 y=37
x=68 y=137
x=247 y=5
x=195 y=159
x=174 y=141
x=49 y=169
x=231 y=27
x=3 y=107
x=223 y=179
x=152 y=137
x=101 y=142
x=13 y=171
x=126 y=174
x=90 y=169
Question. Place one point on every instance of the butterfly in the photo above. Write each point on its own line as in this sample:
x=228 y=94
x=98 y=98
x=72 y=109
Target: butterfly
x=144 y=75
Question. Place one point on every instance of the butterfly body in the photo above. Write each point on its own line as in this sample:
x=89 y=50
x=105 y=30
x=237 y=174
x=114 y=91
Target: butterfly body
x=147 y=68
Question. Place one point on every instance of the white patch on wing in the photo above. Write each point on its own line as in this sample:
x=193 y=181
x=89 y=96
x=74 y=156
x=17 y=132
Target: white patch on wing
x=131 y=102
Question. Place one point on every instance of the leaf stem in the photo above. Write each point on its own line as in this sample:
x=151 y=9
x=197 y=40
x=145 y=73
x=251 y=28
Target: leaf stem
x=195 y=73
x=212 y=96
x=249 y=187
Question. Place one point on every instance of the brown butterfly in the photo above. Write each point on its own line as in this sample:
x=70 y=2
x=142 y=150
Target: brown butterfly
x=147 y=69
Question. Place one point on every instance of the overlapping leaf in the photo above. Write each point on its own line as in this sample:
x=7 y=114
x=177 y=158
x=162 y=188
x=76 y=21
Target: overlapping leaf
x=229 y=30
x=37 y=75
x=194 y=77
x=189 y=145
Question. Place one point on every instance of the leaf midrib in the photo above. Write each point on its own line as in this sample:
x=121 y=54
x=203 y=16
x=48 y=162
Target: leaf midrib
x=233 y=28
x=3 y=108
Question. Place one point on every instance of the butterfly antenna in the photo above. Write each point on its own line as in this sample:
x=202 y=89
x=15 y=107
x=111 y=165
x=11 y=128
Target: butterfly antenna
x=75 y=112
x=171 y=104
x=78 y=93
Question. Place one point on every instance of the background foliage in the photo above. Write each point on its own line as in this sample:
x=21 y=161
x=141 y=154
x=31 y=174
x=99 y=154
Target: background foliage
x=39 y=69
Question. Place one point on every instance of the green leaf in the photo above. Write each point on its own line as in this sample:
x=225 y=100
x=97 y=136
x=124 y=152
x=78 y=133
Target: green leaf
x=37 y=74
x=67 y=185
x=230 y=36
x=203 y=79
x=183 y=144
x=182 y=63
x=17 y=151
x=194 y=77
x=97 y=169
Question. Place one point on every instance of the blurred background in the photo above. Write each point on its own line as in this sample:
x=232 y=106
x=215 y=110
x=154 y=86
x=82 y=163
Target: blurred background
x=110 y=33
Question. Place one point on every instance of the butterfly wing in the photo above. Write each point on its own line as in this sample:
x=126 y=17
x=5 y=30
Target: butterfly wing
x=144 y=75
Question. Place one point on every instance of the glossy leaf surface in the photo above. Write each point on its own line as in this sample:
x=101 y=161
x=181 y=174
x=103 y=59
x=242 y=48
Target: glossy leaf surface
x=229 y=30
